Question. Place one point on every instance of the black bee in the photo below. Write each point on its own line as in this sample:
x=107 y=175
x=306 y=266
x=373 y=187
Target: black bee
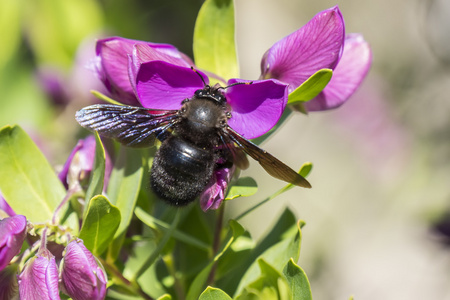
x=195 y=141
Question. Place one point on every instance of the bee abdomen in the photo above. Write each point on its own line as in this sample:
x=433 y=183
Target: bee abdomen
x=181 y=170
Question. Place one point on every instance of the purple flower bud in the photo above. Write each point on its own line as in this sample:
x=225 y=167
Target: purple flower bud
x=82 y=276
x=12 y=235
x=39 y=278
x=8 y=282
x=214 y=193
x=80 y=162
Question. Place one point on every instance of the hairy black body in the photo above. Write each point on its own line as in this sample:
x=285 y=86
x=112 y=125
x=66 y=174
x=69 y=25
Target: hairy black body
x=196 y=140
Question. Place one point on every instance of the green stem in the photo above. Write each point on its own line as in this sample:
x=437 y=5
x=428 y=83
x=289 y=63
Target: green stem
x=152 y=258
x=216 y=242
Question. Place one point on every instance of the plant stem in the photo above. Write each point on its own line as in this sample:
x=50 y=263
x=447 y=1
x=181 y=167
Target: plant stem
x=216 y=242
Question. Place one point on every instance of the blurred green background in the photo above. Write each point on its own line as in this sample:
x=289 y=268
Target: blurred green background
x=381 y=172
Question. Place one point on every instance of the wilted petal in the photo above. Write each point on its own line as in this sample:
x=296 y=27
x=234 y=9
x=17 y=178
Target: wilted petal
x=315 y=46
x=161 y=85
x=256 y=107
x=39 y=278
x=12 y=235
x=214 y=194
x=82 y=277
x=8 y=283
x=347 y=76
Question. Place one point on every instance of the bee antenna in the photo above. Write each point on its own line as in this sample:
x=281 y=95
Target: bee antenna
x=233 y=84
x=201 y=77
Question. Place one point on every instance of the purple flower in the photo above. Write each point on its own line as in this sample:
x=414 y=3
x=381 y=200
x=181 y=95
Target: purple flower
x=112 y=64
x=39 y=278
x=320 y=44
x=8 y=282
x=80 y=162
x=82 y=277
x=12 y=234
x=160 y=77
x=214 y=193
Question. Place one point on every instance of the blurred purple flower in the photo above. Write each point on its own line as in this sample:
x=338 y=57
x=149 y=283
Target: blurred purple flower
x=82 y=276
x=214 y=193
x=319 y=44
x=8 y=283
x=79 y=164
x=39 y=278
x=12 y=234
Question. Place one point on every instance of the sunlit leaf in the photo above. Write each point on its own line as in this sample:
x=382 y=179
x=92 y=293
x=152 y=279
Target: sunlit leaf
x=244 y=187
x=311 y=87
x=99 y=225
x=214 y=41
x=297 y=280
x=214 y=294
x=98 y=170
x=27 y=181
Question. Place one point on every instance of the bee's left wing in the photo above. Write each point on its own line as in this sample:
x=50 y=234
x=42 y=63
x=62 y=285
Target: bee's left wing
x=270 y=163
x=131 y=126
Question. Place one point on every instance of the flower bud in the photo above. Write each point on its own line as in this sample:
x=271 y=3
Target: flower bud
x=39 y=278
x=12 y=234
x=82 y=276
x=8 y=282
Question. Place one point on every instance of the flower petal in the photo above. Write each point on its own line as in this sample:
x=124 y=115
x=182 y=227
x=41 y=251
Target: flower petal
x=113 y=65
x=214 y=194
x=12 y=235
x=256 y=107
x=347 y=77
x=315 y=46
x=39 y=278
x=161 y=85
x=82 y=277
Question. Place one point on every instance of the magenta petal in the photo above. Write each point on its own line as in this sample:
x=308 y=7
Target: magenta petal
x=256 y=107
x=12 y=235
x=161 y=85
x=214 y=194
x=348 y=75
x=39 y=278
x=82 y=277
x=315 y=46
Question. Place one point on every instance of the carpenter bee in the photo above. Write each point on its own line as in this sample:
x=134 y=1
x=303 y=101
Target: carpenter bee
x=195 y=140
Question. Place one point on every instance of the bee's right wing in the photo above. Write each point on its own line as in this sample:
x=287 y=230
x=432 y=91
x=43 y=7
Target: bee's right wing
x=131 y=126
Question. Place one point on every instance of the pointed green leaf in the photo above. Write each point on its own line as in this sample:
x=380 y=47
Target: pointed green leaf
x=311 y=87
x=123 y=189
x=244 y=187
x=27 y=181
x=99 y=225
x=105 y=98
x=165 y=297
x=214 y=294
x=214 y=41
x=297 y=280
x=98 y=170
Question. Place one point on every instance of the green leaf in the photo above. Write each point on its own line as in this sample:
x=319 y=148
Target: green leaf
x=105 y=98
x=98 y=170
x=99 y=225
x=297 y=280
x=244 y=187
x=306 y=169
x=10 y=27
x=214 y=294
x=214 y=41
x=123 y=189
x=165 y=297
x=200 y=280
x=27 y=181
x=311 y=87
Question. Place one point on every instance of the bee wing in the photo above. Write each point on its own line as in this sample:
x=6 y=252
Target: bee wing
x=270 y=163
x=131 y=126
